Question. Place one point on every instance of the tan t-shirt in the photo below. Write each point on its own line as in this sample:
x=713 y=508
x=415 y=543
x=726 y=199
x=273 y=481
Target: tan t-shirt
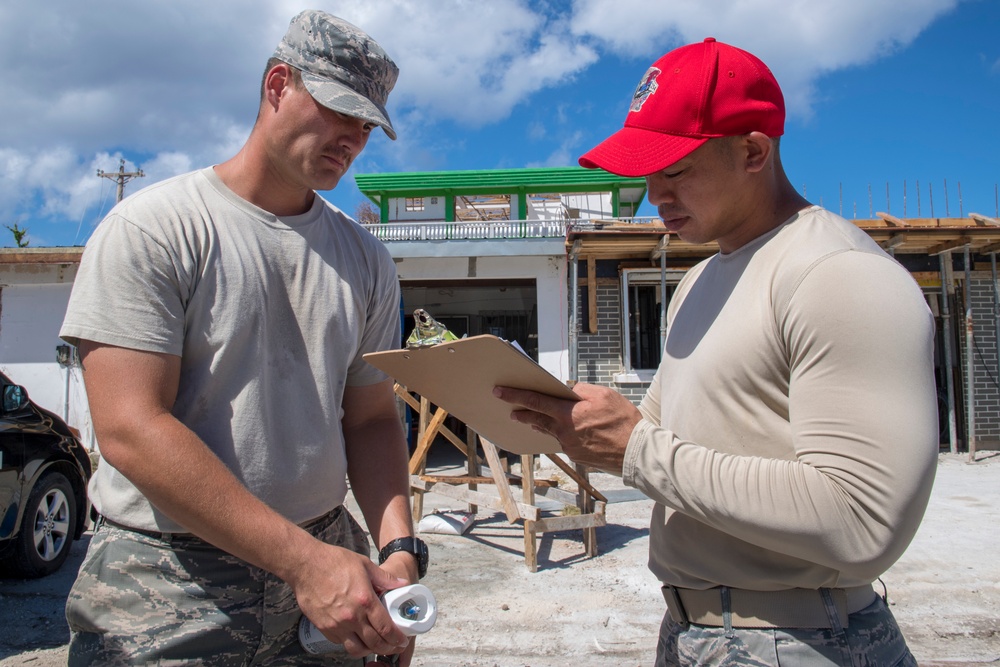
x=790 y=433
x=270 y=317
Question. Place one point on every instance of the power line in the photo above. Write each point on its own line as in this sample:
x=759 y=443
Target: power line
x=121 y=177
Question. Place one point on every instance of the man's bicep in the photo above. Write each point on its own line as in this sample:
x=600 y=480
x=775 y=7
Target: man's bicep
x=862 y=397
x=368 y=403
x=127 y=385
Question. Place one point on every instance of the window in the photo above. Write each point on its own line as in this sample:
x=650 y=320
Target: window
x=414 y=203
x=643 y=342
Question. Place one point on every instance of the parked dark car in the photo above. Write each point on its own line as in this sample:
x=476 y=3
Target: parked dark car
x=44 y=470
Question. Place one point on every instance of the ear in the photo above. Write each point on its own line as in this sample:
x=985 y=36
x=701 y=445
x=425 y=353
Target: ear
x=276 y=82
x=759 y=149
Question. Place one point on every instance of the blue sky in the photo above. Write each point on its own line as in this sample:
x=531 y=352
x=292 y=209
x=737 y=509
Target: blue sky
x=880 y=92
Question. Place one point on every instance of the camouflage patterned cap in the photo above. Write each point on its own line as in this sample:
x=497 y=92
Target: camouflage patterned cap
x=342 y=67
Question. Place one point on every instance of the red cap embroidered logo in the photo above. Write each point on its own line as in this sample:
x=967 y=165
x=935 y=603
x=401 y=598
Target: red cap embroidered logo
x=645 y=88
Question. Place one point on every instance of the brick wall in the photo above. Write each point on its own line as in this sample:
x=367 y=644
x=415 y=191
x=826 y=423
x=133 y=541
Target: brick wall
x=985 y=367
x=600 y=353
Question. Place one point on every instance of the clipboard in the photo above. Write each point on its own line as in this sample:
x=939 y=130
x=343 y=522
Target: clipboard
x=459 y=376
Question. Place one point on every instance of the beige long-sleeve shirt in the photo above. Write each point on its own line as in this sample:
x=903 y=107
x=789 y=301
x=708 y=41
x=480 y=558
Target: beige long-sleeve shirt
x=790 y=434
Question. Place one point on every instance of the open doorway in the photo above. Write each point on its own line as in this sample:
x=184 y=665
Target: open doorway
x=507 y=309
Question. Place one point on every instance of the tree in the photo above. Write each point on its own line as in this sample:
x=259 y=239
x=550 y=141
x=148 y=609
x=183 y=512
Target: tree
x=367 y=214
x=20 y=235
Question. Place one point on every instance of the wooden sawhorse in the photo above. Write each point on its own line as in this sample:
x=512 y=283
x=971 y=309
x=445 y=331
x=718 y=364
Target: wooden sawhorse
x=587 y=500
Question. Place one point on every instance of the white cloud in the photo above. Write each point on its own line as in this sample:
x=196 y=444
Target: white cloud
x=468 y=60
x=176 y=76
x=799 y=39
x=565 y=153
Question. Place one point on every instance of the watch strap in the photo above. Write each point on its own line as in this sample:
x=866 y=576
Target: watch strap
x=411 y=545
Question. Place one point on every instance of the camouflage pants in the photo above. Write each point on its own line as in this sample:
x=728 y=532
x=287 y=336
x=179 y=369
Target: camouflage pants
x=141 y=600
x=871 y=640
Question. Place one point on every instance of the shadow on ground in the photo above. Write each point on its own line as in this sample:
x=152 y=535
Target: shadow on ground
x=34 y=610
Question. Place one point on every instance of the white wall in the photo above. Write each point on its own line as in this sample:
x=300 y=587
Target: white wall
x=30 y=317
x=545 y=210
x=590 y=205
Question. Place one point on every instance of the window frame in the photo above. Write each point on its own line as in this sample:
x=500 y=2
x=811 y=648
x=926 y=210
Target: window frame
x=635 y=277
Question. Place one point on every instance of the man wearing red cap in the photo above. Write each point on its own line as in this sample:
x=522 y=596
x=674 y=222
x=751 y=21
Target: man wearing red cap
x=789 y=437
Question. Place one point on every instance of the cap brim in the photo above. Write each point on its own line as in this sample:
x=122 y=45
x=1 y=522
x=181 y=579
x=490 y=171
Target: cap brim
x=632 y=151
x=337 y=96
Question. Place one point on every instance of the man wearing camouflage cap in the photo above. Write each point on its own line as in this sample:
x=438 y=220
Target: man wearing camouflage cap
x=223 y=365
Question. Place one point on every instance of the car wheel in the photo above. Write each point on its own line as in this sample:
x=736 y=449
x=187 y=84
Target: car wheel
x=46 y=533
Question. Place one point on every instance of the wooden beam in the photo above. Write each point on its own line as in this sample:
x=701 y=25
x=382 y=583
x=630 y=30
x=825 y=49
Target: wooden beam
x=557 y=494
x=472 y=466
x=484 y=499
x=420 y=453
x=406 y=396
x=417 y=508
x=528 y=496
x=661 y=247
x=892 y=220
x=510 y=506
x=577 y=477
x=456 y=479
x=539 y=483
x=551 y=524
x=515 y=480
x=989 y=249
x=894 y=241
x=984 y=220
x=960 y=242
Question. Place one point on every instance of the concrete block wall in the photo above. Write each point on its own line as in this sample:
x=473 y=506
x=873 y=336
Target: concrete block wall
x=986 y=370
x=600 y=353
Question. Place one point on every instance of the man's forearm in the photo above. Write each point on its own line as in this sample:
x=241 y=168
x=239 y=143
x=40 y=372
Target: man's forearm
x=377 y=468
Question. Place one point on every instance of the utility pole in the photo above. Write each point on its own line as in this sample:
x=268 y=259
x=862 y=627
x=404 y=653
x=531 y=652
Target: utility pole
x=121 y=177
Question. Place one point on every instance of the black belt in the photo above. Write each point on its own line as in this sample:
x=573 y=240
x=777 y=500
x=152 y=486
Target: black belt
x=101 y=519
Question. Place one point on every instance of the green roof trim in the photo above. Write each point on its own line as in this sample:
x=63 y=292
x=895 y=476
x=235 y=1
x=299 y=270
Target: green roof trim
x=553 y=180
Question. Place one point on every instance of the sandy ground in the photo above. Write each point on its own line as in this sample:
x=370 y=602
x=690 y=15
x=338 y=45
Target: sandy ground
x=945 y=590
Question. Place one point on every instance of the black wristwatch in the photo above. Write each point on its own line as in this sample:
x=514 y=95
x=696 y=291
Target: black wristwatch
x=412 y=545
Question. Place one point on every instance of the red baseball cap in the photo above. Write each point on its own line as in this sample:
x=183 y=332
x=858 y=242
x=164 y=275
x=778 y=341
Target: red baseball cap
x=688 y=96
